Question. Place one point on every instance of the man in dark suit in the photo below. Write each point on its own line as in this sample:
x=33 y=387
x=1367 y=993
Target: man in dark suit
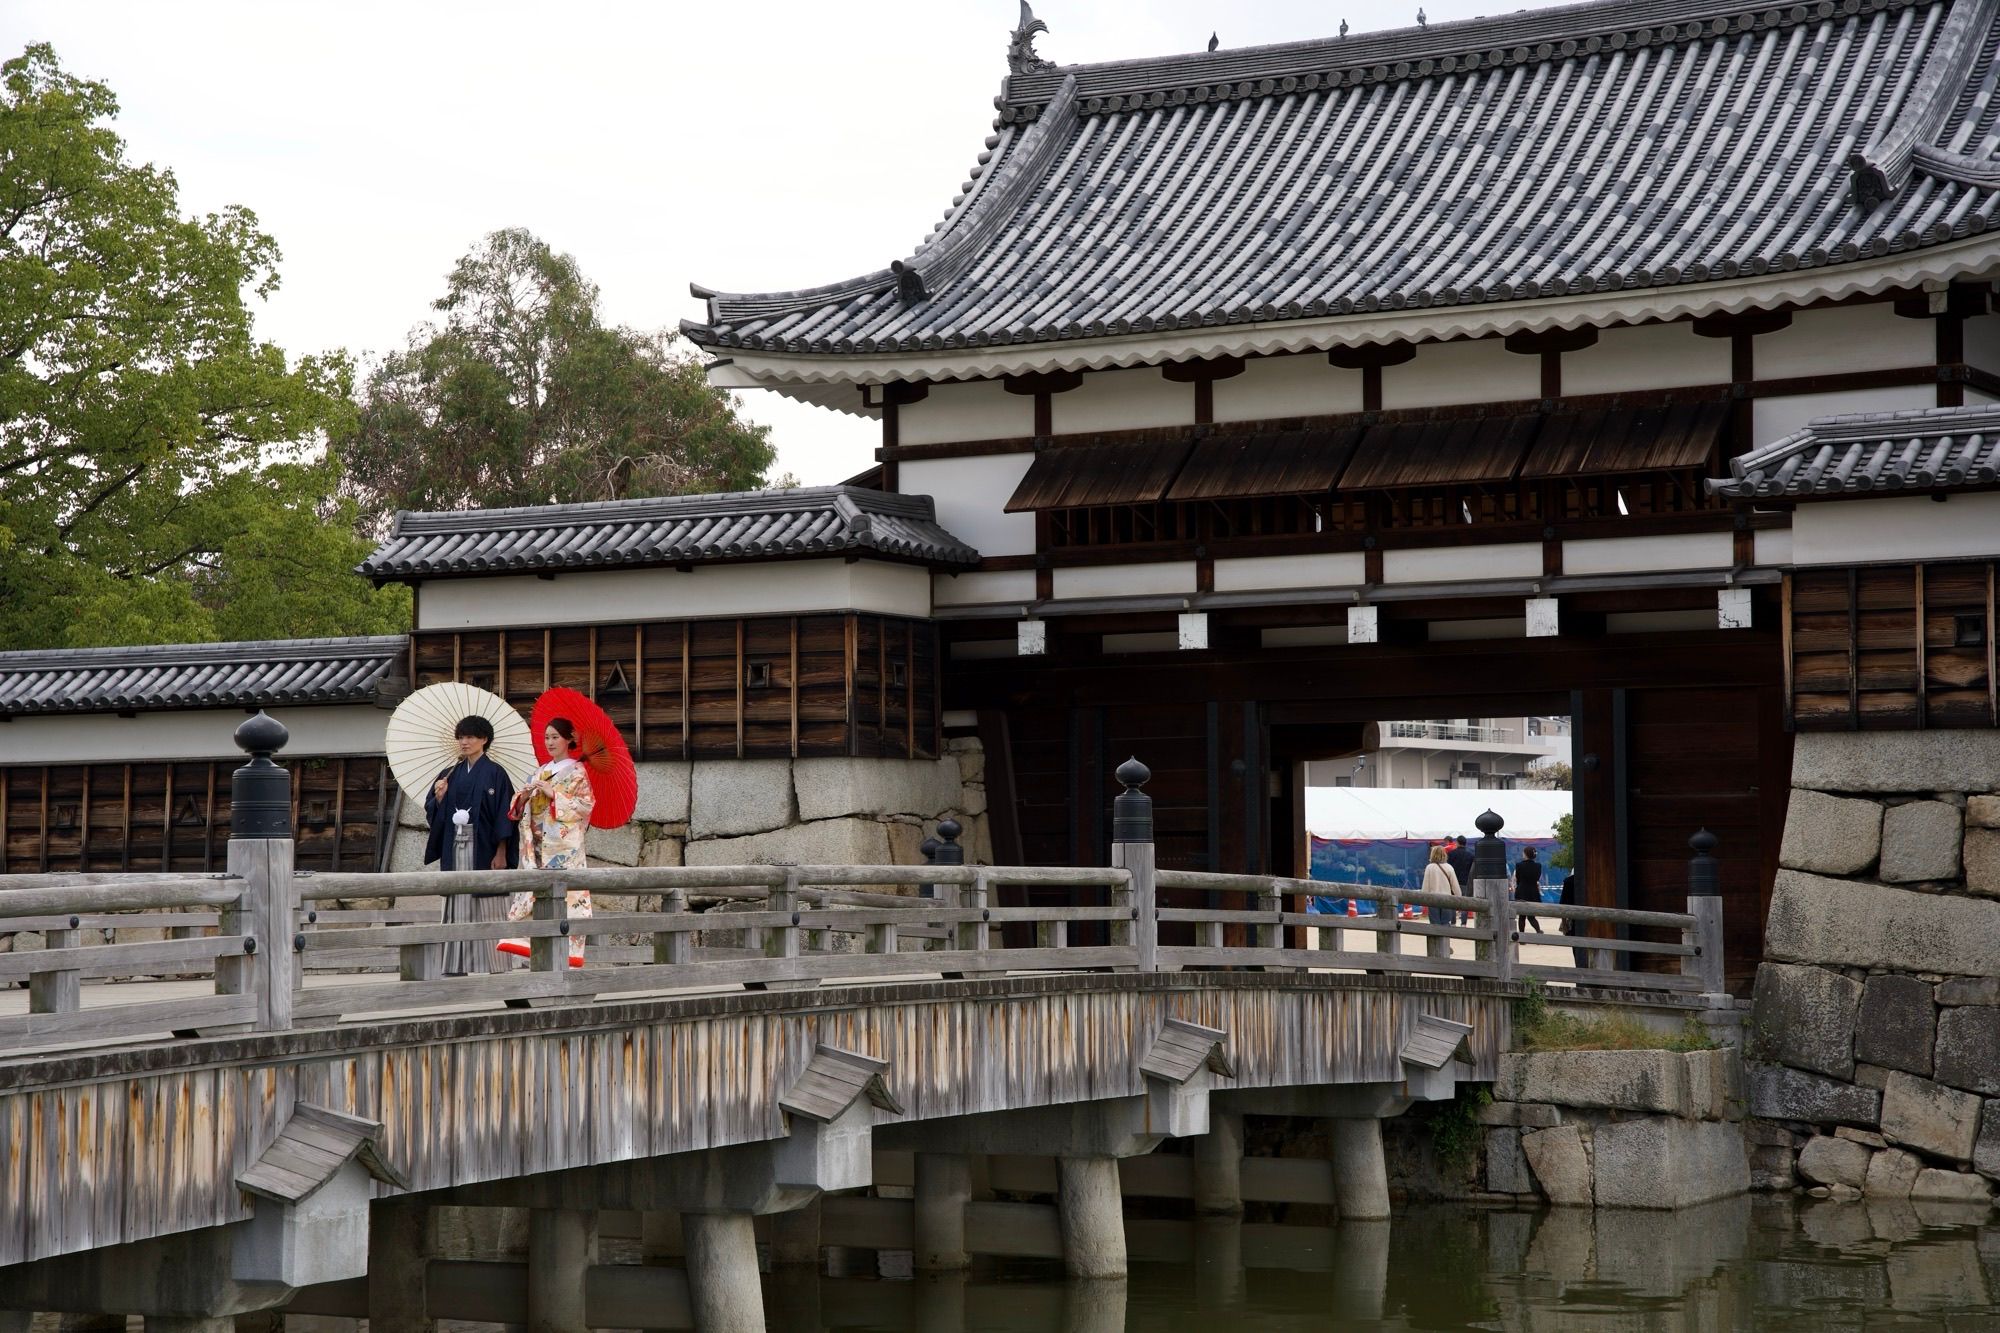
x=1528 y=884
x=473 y=791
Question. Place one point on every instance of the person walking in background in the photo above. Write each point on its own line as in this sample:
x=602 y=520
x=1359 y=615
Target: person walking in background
x=1438 y=878
x=476 y=792
x=1528 y=884
x=1459 y=858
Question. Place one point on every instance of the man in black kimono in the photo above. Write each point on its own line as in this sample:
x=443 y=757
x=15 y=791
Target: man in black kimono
x=475 y=791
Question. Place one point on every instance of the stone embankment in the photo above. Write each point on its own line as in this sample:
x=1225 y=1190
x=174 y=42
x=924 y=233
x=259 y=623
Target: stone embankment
x=1875 y=1037
x=1616 y=1129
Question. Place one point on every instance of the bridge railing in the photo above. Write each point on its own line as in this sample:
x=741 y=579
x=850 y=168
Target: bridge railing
x=262 y=948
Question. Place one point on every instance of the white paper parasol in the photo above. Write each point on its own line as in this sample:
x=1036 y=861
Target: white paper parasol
x=420 y=746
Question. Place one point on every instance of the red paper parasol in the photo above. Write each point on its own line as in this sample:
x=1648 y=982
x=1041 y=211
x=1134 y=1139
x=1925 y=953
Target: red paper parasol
x=600 y=749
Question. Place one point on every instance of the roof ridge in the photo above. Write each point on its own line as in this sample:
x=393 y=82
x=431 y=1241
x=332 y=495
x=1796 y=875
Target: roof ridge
x=716 y=503
x=196 y=653
x=1883 y=168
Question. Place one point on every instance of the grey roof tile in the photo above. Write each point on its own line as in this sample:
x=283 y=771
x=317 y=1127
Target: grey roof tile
x=1589 y=148
x=253 y=674
x=1931 y=449
x=681 y=529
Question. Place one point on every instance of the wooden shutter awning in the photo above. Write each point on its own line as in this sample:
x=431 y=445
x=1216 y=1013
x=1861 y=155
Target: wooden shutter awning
x=1444 y=451
x=1291 y=462
x=1074 y=476
x=1627 y=439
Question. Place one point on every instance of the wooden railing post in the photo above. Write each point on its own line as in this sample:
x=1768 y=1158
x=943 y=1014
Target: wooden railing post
x=1388 y=938
x=1132 y=849
x=1489 y=881
x=260 y=860
x=1705 y=906
x=1270 y=936
x=783 y=941
x=673 y=946
x=550 y=953
x=58 y=992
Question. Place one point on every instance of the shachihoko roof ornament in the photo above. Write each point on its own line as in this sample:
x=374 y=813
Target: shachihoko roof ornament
x=1021 y=57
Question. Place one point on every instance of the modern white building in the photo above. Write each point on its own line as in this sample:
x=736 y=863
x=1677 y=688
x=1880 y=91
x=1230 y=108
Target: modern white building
x=1450 y=754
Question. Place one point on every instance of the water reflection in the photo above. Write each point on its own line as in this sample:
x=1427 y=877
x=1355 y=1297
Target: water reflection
x=1740 y=1264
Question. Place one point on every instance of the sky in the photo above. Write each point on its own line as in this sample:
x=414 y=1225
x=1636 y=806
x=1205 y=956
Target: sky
x=758 y=145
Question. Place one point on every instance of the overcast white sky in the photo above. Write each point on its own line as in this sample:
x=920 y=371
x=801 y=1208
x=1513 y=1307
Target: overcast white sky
x=750 y=146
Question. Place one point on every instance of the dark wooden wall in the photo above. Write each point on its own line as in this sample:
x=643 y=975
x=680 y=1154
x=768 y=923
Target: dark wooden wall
x=1892 y=647
x=837 y=684
x=175 y=816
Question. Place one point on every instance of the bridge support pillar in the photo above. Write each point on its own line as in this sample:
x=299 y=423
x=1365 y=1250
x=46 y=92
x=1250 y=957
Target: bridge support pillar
x=399 y=1245
x=944 y=1186
x=1218 y=1164
x=562 y=1245
x=1361 y=1269
x=1090 y=1210
x=201 y=1323
x=16 y=1321
x=723 y=1287
x=1219 y=1279
x=795 y=1237
x=1360 y=1173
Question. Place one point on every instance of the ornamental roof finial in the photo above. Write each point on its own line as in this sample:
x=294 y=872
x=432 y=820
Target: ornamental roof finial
x=1021 y=57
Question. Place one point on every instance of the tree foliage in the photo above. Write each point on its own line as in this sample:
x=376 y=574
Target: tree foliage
x=1564 y=856
x=157 y=472
x=520 y=394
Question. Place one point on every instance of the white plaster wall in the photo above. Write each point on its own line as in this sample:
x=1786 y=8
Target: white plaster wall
x=1845 y=338
x=607 y=595
x=1290 y=571
x=973 y=410
x=1651 y=356
x=1480 y=371
x=1900 y=528
x=1775 y=418
x=1626 y=555
x=1448 y=564
x=1982 y=345
x=1976 y=396
x=1012 y=585
x=971 y=495
x=1169 y=576
x=202 y=733
x=1121 y=400
x=1772 y=547
x=1288 y=386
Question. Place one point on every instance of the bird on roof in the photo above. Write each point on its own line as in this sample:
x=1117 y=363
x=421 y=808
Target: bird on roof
x=1421 y=20
x=1343 y=27
x=1213 y=42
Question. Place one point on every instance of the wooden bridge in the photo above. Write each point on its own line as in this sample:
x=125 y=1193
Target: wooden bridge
x=271 y=1117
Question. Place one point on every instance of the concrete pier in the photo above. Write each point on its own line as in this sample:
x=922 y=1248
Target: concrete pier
x=399 y=1245
x=723 y=1286
x=943 y=1188
x=562 y=1244
x=1090 y=1211
x=1218 y=1164
x=1360 y=1172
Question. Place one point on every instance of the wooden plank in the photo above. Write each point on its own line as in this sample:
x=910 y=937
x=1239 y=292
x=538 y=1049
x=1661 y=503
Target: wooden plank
x=687 y=683
x=208 y=819
x=795 y=687
x=118 y=959
x=1917 y=589
x=591 y=639
x=1785 y=616
x=457 y=656
x=909 y=689
x=1992 y=651
x=1853 y=649
x=639 y=691
x=739 y=688
x=6 y=828
x=83 y=823
x=125 y=825
x=500 y=671
x=548 y=659
x=339 y=809
x=126 y=1020
x=852 y=647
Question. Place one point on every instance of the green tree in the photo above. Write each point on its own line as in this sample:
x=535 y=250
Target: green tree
x=522 y=395
x=157 y=479
x=1564 y=856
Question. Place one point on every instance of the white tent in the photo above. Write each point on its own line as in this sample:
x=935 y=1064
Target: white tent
x=1408 y=812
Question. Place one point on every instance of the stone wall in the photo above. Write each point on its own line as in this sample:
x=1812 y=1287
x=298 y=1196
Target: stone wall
x=1875 y=1036
x=712 y=812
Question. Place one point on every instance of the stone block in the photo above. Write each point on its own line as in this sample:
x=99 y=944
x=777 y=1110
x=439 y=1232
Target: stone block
x=1897 y=761
x=1968 y=1048
x=1896 y=1023
x=410 y=814
x=1560 y=1164
x=1986 y=1147
x=1866 y=1138
x=1664 y=1162
x=1614 y=1080
x=1951 y=1187
x=832 y=788
x=1969 y=990
x=906 y=844
x=1983 y=812
x=1930 y=1117
x=971 y=757
x=1520 y=1115
x=1773 y=1168
x=407 y=851
x=1891 y=1173
x=1833 y=921
x=1831 y=835
x=827 y=842
x=662 y=852
x=1780 y=1093
x=1920 y=841
x=972 y=798
x=1804 y=1017
x=1982 y=861
x=1832 y=1161
x=663 y=792
x=1871 y=1076
x=732 y=797
x=1506 y=1169
x=613 y=846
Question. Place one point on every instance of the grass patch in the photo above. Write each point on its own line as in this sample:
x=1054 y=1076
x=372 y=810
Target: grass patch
x=1537 y=1027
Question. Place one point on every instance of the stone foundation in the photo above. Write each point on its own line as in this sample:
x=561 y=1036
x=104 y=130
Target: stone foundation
x=1875 y=1036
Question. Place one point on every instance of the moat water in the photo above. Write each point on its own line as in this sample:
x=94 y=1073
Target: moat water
x=1763 y=1263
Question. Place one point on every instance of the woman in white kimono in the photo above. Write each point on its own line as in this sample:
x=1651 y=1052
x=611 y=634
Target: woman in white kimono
x=554 y=809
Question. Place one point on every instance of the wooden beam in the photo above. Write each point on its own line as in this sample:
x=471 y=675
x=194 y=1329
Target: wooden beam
x=639 y=690
x=591 y=691
x=881 y=683
x=739 y=687
x=45 y=820
x=500 y=674
x=457 y=655
x=548 y=658
x=795 y=687
x=6 y=820
x=208 y=823
x=339 y=809
x=909 y=689
x=83 y=825
x=1785 y=635
x=125 y=832
x=1853 y=649
x=850 y=649
x=1923 y=700
x=687 y=671
x=1992 y=654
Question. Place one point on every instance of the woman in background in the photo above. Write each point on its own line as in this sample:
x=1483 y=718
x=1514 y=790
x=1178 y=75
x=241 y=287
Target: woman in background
x=554 y=809
x=1440 y=878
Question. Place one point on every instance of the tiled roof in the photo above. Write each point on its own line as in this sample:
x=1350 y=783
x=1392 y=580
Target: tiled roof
x=1593 y=148
x=675 y=530
x=198 y=675
x=1927 y=450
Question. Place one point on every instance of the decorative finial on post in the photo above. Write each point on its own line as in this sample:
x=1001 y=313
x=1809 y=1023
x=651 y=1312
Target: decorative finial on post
x=1132 y=809
x=948 y=852
x=1021 y=57
x=928 y=849
x=1489 y=854
x=260 y=792
x=1704 y=871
